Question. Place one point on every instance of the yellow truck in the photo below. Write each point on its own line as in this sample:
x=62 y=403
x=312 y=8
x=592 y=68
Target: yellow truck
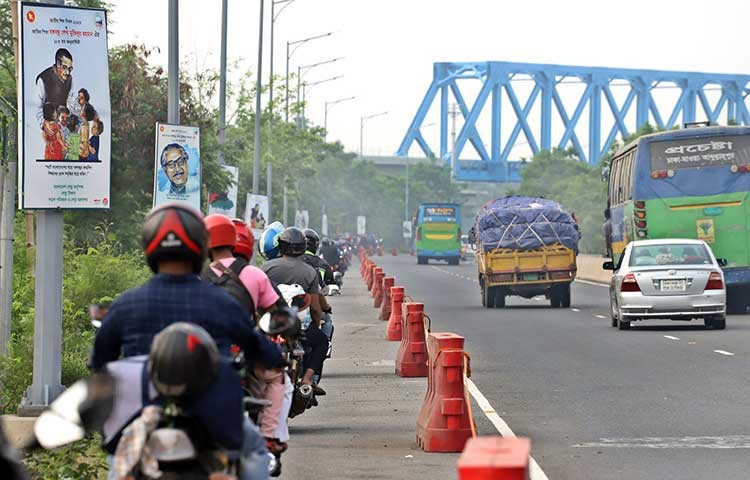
x=526 y=247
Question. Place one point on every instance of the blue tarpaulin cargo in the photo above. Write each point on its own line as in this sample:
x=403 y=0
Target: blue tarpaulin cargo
x=525 y=223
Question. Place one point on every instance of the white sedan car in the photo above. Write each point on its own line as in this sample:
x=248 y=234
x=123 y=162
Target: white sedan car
x=675 y=279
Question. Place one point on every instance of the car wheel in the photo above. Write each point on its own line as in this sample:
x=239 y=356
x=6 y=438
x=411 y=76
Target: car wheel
x=613 y=311
x=622 y=324
x=718 y=323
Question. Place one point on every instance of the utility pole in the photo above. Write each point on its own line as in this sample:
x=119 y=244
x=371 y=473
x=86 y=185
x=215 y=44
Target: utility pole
x=223 y=81
x=173 y=64
x=406 y=199
x=453 y=112
x=325 y=118
x=8 y=196
x=258 y=113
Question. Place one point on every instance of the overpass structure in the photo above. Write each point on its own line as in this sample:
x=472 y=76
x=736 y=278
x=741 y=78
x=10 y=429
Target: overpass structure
x=589 y=125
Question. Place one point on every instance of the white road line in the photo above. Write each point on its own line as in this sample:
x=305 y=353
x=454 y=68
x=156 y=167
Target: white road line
x=724 y=352
x=576 y=309
x=535 y=471
x=596 y=284
x=600 y=316
x=671 y=337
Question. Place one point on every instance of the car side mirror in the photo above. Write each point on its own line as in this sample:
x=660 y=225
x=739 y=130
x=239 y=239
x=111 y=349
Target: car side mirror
x=609 y=266
x=722 y=262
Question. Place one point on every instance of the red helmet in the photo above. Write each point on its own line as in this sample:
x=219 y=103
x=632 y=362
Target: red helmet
x=174 y=231
x=245 y=240
x=220 y=231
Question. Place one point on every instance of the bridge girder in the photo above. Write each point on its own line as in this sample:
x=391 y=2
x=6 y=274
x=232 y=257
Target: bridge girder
x=597 y=99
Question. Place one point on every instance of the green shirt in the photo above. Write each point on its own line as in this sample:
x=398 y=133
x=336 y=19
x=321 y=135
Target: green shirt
x=74 y=145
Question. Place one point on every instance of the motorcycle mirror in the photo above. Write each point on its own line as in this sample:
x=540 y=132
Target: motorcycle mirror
x=83 y=406
x=96 y=323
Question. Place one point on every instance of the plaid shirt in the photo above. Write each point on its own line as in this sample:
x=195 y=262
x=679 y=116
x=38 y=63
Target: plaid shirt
x=140 y=313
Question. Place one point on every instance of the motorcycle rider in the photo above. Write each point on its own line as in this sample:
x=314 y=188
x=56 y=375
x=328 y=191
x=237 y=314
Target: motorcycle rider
x=330 y=252
x=325 y=277
x=252 y=288
x=174 y=240
x=291 y=269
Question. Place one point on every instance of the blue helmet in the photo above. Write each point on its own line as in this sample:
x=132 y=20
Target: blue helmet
x=268 y=243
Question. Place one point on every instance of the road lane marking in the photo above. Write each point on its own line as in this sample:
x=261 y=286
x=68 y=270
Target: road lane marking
x=575 y=309
x=600 y=316
x=535 y=471
x=727 y=442
x=724 y=352
x=671 y=337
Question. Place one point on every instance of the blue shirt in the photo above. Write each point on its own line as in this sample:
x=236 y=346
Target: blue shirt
x=140 y=313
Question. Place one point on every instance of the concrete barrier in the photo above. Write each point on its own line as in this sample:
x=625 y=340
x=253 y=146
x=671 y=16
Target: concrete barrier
x=590 y=268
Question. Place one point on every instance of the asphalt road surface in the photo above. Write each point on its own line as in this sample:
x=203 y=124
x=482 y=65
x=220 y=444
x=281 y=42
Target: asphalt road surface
x=663 y=400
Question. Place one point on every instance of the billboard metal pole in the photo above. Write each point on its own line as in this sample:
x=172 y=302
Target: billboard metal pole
x=46 y=383
x=173 y=65
x=223 y=81
x=258 y=112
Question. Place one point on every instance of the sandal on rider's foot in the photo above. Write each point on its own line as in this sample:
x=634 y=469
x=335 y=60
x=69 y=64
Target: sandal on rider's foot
x=275 y=446
x=317 y=390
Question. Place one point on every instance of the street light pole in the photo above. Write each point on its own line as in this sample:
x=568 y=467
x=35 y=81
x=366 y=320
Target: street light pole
x=325 y=118
x=258 y=113
x=309 y=86
x=297 y=44
x=306 y=69
x=223 y=81
x=362 y=121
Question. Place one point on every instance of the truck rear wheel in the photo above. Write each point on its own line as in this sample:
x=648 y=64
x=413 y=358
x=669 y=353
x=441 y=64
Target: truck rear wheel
x=499 y=296
x=565 y=296
x=488 y=297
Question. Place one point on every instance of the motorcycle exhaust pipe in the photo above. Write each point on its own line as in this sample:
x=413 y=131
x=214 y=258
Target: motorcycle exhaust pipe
x=305 y=391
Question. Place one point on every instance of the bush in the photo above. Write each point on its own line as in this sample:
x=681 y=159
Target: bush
x=88 y=276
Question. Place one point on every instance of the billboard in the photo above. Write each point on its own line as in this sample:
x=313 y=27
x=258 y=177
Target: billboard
x=256 y=211
x=302 y=219
x=225 y=203
x=177 y=166
x=361 y=225
x=64 y=108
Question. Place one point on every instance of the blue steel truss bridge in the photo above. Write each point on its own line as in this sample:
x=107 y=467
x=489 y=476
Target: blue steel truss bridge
x=518 y=109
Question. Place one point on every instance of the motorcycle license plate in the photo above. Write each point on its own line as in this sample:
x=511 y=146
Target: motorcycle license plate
x=673 y=285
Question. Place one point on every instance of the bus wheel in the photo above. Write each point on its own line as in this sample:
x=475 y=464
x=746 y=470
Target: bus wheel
x=421 y=260
x=453 y=261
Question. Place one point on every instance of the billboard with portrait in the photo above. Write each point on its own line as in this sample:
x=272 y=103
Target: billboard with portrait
x=64 y=108
x=225 y=203
x=177 y=167
x=256 y=211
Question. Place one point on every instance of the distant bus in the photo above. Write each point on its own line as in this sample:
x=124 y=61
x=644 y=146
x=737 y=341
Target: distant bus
x=689 y=183
x=438 y=233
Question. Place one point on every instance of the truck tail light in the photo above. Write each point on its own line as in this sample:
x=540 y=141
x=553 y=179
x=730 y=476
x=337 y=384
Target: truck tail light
x=629 y=284
x=715 y=282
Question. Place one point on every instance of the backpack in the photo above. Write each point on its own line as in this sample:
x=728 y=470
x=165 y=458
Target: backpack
x=230 y=281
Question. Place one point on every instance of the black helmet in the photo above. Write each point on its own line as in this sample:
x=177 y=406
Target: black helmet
x=174 y=231
x=327 y=242
x=292 y=242
x=183 y=361
x=313 y=239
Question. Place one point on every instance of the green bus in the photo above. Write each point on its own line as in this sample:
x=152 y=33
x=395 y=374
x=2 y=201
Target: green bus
x=438 y=232
x=689 y=183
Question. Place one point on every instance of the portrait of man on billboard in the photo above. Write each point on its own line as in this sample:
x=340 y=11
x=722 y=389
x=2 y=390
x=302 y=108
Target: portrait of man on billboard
x=174 y=162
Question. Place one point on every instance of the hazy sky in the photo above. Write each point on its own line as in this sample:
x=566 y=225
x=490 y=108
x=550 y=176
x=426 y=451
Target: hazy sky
x=389 y=45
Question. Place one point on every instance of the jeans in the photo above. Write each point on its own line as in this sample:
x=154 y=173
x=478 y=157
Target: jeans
x=254 y=453
x=316 y=347
x=327 y=326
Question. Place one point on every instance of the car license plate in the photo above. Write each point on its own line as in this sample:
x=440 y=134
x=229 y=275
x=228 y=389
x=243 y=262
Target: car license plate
x=673 y=285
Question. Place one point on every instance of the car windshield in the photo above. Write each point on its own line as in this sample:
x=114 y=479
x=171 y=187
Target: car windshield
x=669 y=254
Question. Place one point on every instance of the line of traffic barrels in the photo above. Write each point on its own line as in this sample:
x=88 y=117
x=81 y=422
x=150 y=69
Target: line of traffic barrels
x=444 y=422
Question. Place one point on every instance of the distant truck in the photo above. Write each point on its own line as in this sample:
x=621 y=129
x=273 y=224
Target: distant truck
x=438 y=233
x=525 y=246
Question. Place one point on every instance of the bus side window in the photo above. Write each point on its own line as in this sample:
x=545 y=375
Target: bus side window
x=616 y=184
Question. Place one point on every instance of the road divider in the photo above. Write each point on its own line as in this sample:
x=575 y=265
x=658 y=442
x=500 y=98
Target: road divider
x=495 y=458
x=590 y=268
x=411 y=359
x=393 y=331
x=444 y=423
x=385 y=307
x=377 y=288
